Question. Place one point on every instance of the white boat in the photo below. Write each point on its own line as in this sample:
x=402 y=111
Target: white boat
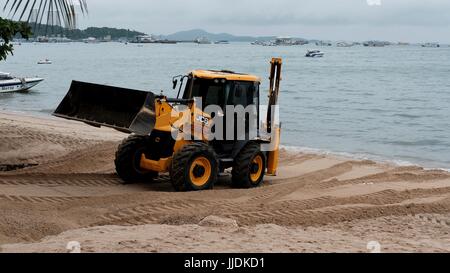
x=324 y=43
x=344 y=44
x=222 y=42
x=9 y=83
x=314 y=54
x=202 y=41
x=375 y=44
x=91 y=40
x=46 y=61
x=432 y=45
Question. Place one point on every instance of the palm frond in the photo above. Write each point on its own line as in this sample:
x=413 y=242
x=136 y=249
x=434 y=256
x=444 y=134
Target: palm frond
x=53 y=12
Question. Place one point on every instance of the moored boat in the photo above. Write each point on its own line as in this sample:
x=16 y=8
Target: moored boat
x=314 y=54
x=344 y=44
x=202 y=41
x=9 y=83
x=221 y=42
x=46 y=61
x=432 y=45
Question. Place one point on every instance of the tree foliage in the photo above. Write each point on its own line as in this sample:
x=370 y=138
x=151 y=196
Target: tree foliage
x=48 y=12
x=77 y=34
x=8 y=30
x=52 y=12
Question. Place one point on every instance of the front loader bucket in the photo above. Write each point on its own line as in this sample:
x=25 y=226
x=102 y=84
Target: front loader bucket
x=130 y=111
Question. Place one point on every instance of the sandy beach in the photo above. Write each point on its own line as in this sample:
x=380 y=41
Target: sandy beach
x=57 y=184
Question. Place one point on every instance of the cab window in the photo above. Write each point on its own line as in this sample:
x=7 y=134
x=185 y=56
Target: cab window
x=245 y=94
x=211 y=92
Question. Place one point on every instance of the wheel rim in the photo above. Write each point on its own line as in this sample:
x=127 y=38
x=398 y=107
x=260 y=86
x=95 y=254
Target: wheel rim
x=256 y=169
x=137 y=161
x=200 y=171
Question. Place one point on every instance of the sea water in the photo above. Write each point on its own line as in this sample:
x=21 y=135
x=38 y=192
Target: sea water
x=390 y=103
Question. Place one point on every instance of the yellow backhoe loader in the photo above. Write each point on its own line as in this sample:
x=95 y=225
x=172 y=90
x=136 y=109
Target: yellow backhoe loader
x=173 y=135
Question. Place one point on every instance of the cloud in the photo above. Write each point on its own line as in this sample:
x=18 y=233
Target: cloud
x=334 y=12
x=319 y=18
x=374 y=2
x=253 y=12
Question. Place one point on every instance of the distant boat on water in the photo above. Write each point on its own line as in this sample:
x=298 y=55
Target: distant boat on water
x=323 y=43
x=264 y=43
x=344 y=44
x=165 y=41
x=91 y=40
x=42 y=39
x=432 y=45
x=375 y=44
x=222 y=42
x=144 y=39
x=46 y=61
x=150 y=39
x=9 y=83
x=314 y=54
x=202 y=41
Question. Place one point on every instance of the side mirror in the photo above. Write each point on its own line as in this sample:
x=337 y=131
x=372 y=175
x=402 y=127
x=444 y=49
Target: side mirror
x=175 y=83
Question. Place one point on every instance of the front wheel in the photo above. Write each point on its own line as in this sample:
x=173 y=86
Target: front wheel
x=249 y=167
x=194 y=168
x=128 y=160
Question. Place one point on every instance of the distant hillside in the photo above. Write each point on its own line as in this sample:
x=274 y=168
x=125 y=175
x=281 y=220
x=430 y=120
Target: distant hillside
x=190 y=35
x=101 y=32
x=77 y=34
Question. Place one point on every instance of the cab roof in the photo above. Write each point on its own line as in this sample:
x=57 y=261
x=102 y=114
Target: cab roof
x=223 y=74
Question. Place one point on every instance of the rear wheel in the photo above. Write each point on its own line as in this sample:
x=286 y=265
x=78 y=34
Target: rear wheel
x=249 y=167
x=128 y=160
x=194 y=168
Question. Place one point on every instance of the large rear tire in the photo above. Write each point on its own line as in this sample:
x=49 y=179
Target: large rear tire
x=128 y=158
x=249 y=167
x=194 y=168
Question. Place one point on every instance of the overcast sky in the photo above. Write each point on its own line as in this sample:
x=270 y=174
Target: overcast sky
x=395 y=20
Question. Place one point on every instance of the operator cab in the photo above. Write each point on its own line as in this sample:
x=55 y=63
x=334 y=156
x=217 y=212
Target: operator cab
x=222 y=88
x=225 y=88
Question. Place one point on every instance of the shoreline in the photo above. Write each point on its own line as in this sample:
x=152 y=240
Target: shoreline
x=375 y=158
x=295 y=149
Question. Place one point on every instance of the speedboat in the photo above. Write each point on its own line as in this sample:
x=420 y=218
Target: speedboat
x=314 y=54
x=9 y=83
x=46 y=61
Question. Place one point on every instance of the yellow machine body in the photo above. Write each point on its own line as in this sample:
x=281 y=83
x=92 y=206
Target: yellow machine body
x=141 y=113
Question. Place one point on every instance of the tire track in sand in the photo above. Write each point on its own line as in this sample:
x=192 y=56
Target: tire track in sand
x=290 y=185
x=40 y=199
x=337 y=214
x=434 y=219
x=410 y=174
x=10 y=134
x=80 y=161
x=79 y=180
x=262 y=195
x=260 y=212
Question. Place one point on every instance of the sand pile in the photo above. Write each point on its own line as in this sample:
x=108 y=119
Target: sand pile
x=393 y=234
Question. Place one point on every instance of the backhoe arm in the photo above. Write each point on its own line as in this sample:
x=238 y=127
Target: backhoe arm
x=275 y=79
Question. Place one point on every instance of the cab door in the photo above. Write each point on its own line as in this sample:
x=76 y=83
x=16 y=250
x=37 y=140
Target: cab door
x=245 y=94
